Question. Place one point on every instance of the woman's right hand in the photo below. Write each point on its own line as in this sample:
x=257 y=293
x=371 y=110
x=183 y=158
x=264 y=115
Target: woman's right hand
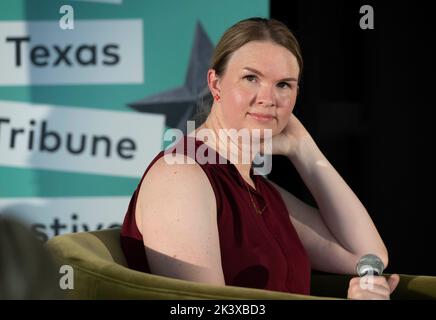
x=372 y=287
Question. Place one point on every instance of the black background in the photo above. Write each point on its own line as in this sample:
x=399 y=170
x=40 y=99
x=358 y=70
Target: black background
x=366 y=98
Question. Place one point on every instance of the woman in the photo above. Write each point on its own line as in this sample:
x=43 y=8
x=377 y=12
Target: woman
x=220 y=223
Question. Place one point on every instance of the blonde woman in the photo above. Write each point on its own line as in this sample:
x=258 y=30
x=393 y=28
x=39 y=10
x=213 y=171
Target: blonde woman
x=218 y=222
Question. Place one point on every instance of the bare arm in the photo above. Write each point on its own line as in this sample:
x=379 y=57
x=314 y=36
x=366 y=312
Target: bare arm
x=176 y=214
x=325 y=253
x=341 y=231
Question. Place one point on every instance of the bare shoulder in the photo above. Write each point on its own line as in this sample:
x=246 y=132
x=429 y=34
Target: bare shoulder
x=176 y=215
x=178 y=172
x=175 y=182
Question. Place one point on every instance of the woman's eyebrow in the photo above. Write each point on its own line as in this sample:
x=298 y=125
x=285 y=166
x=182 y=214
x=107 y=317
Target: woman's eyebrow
x=261 y=74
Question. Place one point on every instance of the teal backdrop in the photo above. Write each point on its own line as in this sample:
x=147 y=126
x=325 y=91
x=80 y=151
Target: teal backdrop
x=41 y=193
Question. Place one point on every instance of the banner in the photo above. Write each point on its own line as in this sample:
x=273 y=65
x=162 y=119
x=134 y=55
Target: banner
x=43 y=53
x=85 y=140
x=87 y=91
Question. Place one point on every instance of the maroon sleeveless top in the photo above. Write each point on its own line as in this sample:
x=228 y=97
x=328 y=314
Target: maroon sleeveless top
x=257 y=250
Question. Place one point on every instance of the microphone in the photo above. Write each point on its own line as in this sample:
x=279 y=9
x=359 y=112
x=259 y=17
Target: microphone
x=370 y=264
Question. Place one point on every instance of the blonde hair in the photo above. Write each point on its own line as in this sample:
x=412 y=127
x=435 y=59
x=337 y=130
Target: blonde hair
x=253 y=29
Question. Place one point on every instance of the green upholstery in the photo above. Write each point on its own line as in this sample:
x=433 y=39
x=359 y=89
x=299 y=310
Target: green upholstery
x=100 y=272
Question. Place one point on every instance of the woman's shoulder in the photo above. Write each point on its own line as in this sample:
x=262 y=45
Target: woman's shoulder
x=175 y=167
x=176 y=175
x=172 y=186
x=176 y=171
x=176 y=159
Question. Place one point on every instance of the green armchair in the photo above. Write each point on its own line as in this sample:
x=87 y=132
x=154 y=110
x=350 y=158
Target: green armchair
x=100 y=272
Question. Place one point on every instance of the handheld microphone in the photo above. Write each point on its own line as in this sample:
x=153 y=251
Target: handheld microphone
x=370 y=264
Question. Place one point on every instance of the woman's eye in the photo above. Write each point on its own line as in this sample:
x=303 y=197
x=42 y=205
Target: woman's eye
x=284 y=85
x=250 y=78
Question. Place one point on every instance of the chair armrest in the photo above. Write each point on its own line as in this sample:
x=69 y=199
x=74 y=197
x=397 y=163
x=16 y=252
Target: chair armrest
x=411 y=287
x=415 y=287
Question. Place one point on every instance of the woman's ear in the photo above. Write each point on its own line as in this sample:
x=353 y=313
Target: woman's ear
x=213 y=83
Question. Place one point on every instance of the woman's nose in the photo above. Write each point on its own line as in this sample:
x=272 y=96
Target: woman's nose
x=265 y=96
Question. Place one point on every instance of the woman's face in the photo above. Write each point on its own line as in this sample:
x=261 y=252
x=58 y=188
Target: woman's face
x=258 y=88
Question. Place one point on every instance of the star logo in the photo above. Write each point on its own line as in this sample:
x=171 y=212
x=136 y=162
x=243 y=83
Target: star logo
x=180 y=104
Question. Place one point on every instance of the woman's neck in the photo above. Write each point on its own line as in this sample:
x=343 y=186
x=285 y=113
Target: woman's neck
x=227 y=146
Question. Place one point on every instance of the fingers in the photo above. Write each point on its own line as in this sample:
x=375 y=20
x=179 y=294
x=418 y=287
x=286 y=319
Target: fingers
x=371 y=287
x=367 y=281
x=366 y=295
x=371 y=292
x=393 y=281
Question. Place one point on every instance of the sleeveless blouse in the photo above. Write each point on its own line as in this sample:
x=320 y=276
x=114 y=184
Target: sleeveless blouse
x=260 y=251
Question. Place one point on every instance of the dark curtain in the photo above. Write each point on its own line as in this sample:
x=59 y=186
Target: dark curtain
x=365 y=98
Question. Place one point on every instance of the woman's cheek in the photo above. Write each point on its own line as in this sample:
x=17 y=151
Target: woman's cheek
x=284 y=118
x=237 y=105
x=232 y=116
x=239 y=99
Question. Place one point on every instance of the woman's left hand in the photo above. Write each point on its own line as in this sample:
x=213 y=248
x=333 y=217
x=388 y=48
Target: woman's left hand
x=286 y=142
x=372 y=287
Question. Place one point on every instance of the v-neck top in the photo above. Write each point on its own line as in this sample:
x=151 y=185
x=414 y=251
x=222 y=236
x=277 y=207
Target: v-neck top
x=260 y=251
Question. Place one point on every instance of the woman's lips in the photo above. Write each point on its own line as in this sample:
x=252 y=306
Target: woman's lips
x=261 y=117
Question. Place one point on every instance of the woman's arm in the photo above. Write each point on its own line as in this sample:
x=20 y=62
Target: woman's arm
x=324 y=251
x=341 y=210
x=176 y=214
x=340 y=231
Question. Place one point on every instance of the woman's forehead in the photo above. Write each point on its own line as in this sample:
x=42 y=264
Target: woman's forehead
x=264 y=56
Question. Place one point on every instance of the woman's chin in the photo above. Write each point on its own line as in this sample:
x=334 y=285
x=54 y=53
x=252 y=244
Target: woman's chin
x=268 y=128
x=263 y=133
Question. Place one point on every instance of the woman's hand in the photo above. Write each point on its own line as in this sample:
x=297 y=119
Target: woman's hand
x=286 y=142
x=372 y=287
